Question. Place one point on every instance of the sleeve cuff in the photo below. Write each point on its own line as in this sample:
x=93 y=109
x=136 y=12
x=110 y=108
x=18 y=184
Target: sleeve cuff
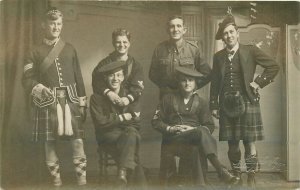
x=262 y=81
x=214 y=105
x=106 y=91
x=27 y=67
x=121 y=117
x=83 y=101
x=37 y=91
x=130 y=98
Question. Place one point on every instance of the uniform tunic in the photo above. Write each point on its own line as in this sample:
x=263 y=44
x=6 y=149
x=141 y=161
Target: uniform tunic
x=134 y=80
x=167 y=57
x=173 y=111
x=64 y=73
x=119 y=138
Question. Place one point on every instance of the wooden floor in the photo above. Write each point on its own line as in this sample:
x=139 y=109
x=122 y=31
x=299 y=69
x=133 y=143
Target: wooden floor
x=264 y=181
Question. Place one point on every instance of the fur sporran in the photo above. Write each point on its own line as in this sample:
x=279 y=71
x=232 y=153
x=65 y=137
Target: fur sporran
x=234 y=104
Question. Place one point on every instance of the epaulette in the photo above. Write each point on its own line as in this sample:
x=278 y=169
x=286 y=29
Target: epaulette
x=249 y=45
x=193 y=43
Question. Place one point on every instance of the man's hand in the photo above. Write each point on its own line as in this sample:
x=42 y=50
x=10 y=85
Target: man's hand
x=127 y=116
x=47 y=94
x=174 y=129
x=82 y=110
x=124 y=102
x=215 y=113
x=255 y=87
x=113 y=97
x=183 y=128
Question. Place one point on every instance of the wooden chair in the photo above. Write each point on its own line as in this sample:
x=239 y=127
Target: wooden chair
x=105 y=161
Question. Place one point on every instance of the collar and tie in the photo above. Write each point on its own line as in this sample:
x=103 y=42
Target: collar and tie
x=230 y=54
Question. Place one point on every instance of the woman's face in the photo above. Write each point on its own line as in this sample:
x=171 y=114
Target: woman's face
x=121 y=44
x=115 y=79
x=187 y=84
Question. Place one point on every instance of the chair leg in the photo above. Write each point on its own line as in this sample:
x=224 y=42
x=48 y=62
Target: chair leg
x=101 y=162
x=105 y=161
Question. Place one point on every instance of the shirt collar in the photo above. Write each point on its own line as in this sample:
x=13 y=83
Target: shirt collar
x=235 y=48
x=173 y=47
x=50 y=42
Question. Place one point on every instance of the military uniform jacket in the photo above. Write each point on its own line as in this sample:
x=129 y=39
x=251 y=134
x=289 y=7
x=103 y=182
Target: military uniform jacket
x=250 y=56
x=64 y=71
x=134 y=77
x=166 y=57
x=172 y=111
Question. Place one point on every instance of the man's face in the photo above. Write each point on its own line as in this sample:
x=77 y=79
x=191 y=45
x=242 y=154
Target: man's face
x=176 y=29
x=115 y=79
x=121 y=44
x=53 y=28
x=230 y=36
x=187 y=84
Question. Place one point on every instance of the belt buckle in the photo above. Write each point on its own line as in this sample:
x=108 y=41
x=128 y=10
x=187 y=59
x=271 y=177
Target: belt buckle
x=60 y=93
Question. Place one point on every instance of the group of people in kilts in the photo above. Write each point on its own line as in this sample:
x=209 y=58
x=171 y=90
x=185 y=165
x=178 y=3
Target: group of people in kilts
x=53 y=78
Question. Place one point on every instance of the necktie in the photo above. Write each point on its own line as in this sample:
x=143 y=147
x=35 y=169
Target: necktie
x=230 y=54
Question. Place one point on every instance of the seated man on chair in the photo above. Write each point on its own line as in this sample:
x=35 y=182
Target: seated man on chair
x=116 y=127
x=184 y=120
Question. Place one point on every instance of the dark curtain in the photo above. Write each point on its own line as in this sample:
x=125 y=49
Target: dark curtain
x=21 y=160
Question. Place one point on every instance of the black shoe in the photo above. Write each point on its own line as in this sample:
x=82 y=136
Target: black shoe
x=122 y=176
x=228 y=177
x=251 y=179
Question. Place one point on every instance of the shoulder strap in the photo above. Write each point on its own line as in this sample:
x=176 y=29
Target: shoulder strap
x=52 y=55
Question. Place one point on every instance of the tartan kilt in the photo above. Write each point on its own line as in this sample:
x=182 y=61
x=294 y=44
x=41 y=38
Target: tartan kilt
x=248 y=127
x=45 y=123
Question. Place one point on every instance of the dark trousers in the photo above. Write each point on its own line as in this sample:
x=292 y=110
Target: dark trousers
x=123 y=145
x=192 y=147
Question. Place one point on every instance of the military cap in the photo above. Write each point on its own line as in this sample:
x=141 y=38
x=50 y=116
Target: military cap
x=112 y=67
x=188 y=72
x=53 y=14
x=228 y=20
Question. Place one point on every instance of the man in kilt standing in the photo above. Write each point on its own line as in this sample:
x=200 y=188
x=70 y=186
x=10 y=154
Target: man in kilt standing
x=234 y=96
x=53 y=78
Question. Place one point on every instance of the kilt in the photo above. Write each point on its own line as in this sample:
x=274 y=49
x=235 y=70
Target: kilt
x=45 y=123
x=248 y=127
